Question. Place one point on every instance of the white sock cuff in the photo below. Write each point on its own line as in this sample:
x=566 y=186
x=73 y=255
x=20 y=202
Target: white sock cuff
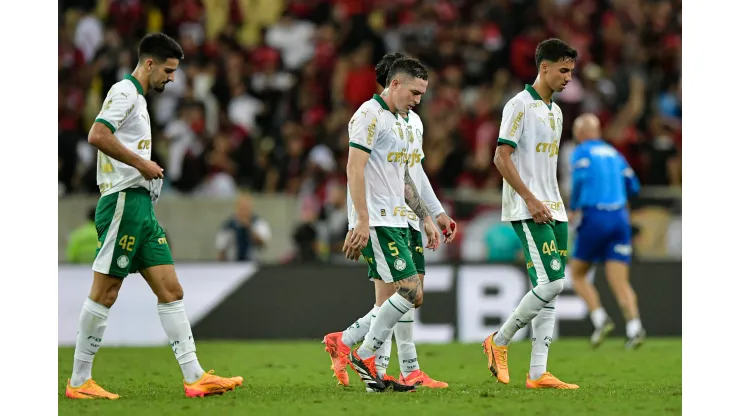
x=547 y=311
x=172 y=307
x=376 y=308
x=400 y=303
x=187 y=357
x=95 y=308
x=408 y=317
x=547 y=292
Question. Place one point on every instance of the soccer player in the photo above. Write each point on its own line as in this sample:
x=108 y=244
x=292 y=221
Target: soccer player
x=602 y=183
x=338 y=343
x=527 y=157
x=130 y=239
x=380 y=189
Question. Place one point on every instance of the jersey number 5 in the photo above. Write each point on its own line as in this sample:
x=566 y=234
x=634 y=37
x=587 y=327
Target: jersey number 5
x=393 y=248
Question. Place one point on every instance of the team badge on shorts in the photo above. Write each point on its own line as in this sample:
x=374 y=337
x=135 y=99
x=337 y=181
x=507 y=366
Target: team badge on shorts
x=555 y=264
x=399 y=264
x=122 y=261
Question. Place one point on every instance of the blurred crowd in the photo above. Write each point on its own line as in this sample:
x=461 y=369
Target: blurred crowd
x=262 y=100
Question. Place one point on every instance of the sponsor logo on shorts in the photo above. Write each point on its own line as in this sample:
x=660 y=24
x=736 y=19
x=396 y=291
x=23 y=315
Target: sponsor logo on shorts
x=399 y=264
x=122 y=261
x=555 y=264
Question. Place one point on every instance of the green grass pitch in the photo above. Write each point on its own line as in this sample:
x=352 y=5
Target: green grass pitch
x=293 y=378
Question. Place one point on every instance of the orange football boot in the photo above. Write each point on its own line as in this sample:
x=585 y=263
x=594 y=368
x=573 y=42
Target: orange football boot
x=549 y=381
x=339 y=353
x=498 y=359
x=210 y=384
x=420 y=378
x=89 y=390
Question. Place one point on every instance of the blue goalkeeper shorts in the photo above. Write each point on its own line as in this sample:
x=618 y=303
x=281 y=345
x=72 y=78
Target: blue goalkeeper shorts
x=603 y=236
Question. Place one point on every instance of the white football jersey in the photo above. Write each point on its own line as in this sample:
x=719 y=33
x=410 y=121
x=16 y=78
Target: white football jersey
x=125 y=113
x=533 y=128
x=377 y=131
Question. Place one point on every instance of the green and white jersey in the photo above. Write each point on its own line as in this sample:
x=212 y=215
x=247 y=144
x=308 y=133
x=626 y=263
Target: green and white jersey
x=375 y=130
x=533 y=128
x=125 y=114
x=413 y=133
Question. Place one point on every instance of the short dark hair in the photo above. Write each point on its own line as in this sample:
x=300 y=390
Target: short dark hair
x=385 y=64
x=554 y=50
x=160 y=47
x=408 y=66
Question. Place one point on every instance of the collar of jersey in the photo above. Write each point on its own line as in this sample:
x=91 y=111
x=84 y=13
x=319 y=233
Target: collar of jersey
x=533 y=92
x=383 y=104
x=136 y=83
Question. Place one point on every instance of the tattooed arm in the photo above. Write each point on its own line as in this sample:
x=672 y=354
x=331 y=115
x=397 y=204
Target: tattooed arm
x=413 y=198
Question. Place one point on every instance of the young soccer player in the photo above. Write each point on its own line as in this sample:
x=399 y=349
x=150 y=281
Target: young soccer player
x=527 y=157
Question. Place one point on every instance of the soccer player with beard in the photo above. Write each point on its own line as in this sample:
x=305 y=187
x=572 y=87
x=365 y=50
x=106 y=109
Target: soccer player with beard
x=130 y=239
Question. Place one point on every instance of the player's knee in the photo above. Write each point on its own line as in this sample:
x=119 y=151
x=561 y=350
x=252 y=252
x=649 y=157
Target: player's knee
x=417 y=297
x=411 y=291
x=557 y=286
x=173 y=293
x=110 y=297
x=105 y=296
x=550 y=290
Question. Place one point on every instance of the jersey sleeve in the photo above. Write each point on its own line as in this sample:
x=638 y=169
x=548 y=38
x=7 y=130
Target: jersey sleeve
x=512 y=123
x=429 y=197
x=363 y=130
x=632 y=183
x=420 y=133
x=116 y=108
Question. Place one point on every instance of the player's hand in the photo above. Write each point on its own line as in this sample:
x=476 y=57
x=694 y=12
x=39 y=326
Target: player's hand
x=540 y=213
x=448 y=227
x=360 y=235
x=349 y=252
x=432 y=233
x=151 y=170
